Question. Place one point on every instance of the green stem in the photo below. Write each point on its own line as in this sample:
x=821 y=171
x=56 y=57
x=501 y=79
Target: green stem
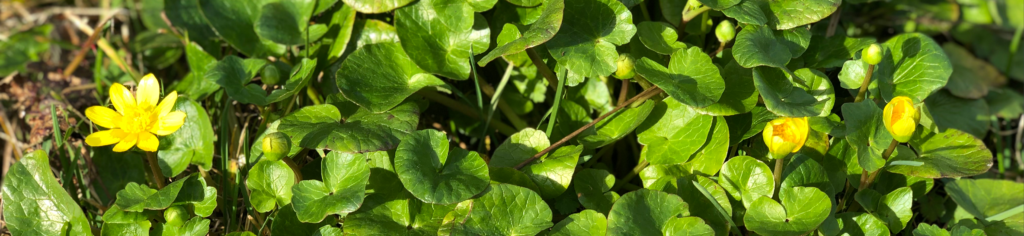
x=644 y=12
x=314 y=95
x=1014 y=45
x=542 y=68
x=154 y=166
x=866 y=181
x=558 y=101
x=779 y=165
x=496 y=97
x=864 y=84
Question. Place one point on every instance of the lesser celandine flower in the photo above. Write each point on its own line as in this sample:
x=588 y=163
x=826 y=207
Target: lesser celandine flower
x=901 y=118
x=785 y=135
x=138 y=118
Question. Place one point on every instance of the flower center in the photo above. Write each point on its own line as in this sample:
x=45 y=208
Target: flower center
x=138 y=120
x=783 y=132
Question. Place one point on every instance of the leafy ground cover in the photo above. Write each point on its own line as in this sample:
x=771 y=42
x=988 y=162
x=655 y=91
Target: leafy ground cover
x=512 y=117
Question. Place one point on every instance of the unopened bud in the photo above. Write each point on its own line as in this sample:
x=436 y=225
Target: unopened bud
x=625 y=66
x=872 y=54
x=726 y=31
x=276 y=145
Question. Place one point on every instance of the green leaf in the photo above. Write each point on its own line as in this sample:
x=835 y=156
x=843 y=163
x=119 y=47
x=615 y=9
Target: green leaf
x=35 y=204
x=802 y=171
x=547 y=24
x=389 y=209
x=644 y=212
x=285 y=21
x=986 y=198
x=950 y=112
x=379 y=76
x=24 y=47
x=782 y=14
x=233 y=75
x=502 y=209
x=509 y=33
x=689 y=225
x=235 y=22
x=376 y=6
x=746 y=179
x=913 y=65
x=945 y=155
x=509 y=175
x=117 y=169
x=553 y=172
x=199 y=62
x=438 y=35
x=926 y=229
x=187 y=17
x=660 y=37
x=344 y=182
x=746 y=125
x=707 y=160
x=119 y=222
x=340 y=32
x=673 y=122
x=692 y=189
x=1004 y=102
x=616 y=126
x=972 y=77
x=197 y=226
x=804 y=93
x=430 y=173
x=720 y=4
x=852 y=76
x=270 y=184
x=285 y=222
x=860 y=223
x=191 y=144
x=690 y=78
x=189 y=190
x=586 y=222
x=318 y=127
x=892 y=208
x=587 y=39
x=761 y=46
x=802 y=210
x=519 y=147
x=242 y=233
x=740 y=95
x=593 y=187
x=866 y=133
x=829 y=52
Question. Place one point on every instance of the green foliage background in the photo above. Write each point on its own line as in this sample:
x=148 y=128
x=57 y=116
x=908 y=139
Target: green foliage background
x=519 y=117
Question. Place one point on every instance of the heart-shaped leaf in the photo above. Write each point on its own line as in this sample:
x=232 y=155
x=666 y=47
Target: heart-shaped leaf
x=519 y=147
x=234 y=75
x=805 y=92
x=747 y=179
x=802 y=210
x=342 y=190
x=189 y=190
x=644 y=212
x=199 y=62
x=186 y=14
x=586 y=222
x=892 y=208
x=318 y=127
x=690 y=225
x=707 y=160
x=692 y=189
x=660 y=37
x=197 y=226
x=586 y=41
x=593 y=187
x=270 y=183
x=35 y=204
x=119 y=222
x=690 y=78
x=673 y=122
x=191 y=144
x=553 y=172
x=434 y=175
x=547 y=24
x=502 y=209
x=286 y=21
x=860 y=223
x=439 y=35
x=945 y=155
x=866 y=133
x=832 y=51
x=762 y=46
x=740 y=95
x=235 y=22
x=376 y=6
x=389 y=208
x=913 y=65
x=782 y=14
x=379 y=76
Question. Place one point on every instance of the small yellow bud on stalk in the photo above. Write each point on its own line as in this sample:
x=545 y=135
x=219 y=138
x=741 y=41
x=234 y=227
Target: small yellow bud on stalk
x=901 y=118
x=872 y=54
x=276 y=145
x=785 y=135
x=625 y=65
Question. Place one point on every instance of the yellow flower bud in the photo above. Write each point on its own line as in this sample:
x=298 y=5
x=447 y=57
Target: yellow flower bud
x=901 y=118
x=625 y=65
x=276 y=145
x=872 y=54
x=785 y=135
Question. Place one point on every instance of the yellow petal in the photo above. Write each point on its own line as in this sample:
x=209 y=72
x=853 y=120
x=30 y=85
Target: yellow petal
x=148 y=142
x=103 y=116
x=126 y=143
x=167 y=104
x=148 y=91
x=169 y=123
x=104 y=138
x=121 y=98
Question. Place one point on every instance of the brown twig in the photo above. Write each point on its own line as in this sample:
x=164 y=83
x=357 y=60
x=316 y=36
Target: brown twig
x=639 y=97
x=84 y=49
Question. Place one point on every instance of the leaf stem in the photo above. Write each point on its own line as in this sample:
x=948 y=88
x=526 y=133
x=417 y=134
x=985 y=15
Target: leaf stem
x=866 y=179
x=154 y=166
x=465 y=109
x=542 y=68
x=314 y=95
x=779 y=165
x=489 y=90
x=690 y=15
x=559 y=91
x=639 y=97
x=864 y=85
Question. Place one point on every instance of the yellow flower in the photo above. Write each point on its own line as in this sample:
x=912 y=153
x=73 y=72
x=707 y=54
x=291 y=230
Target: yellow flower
x=785 y=135
x=901 y=118
x=138 y=119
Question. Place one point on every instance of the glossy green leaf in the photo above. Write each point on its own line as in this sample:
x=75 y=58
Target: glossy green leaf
x=547 y=24
x=660 y=37
x=740 y=95
x=197 y=226
x=913 y=65
x=802 y=171
x=189 y=190
x=502 y=209
x=439 y=36
x=947 y=111
x=589 y=34
x=746 y=179
x=945 y=155
x=586 y=222
x=319 y=127
x=784 y=14
x=35 y=204
x=344 y=180
x=617 y=126
x=199 y=62
x=859 y=223
x=376 y=6
x=666 y=124
x=866 y=132
x=746 y=125
x=509 y=175
x=644 y=212
x=802 y=210
x=852 y=76
x=119 y=222
x=553 y=172
x=892 y=208
x=593 y=188
x=972 y=77
x=233 y=75
x=434 y=175
x=986 y=198
x=270 y=184
x=389 y=209
x=707 y=160
x=379 y=76
x=286 y=222
x=285 y=21
x=689 y=225
x=519 y=147
x=761 y=46
x=720 y=4
x=926 y=229
x=117 y=169
x=191 y=144
x=235 y=20
x=187 y=17
x=692 y=189
x=805 y=93
x=690 y=78
x=1004 y=102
